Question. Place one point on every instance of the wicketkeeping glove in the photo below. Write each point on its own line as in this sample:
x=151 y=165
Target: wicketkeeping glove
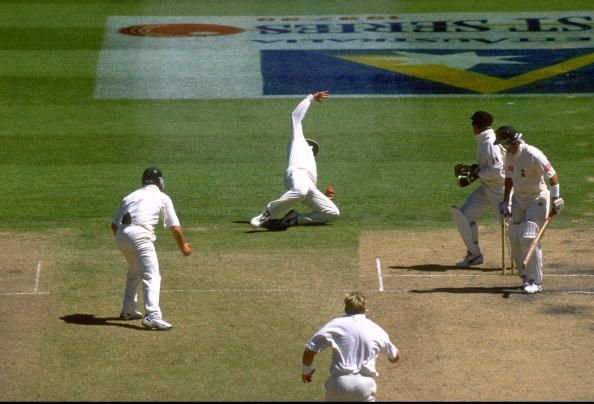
x=558 y=204
x=463 y=169
x=466 y=179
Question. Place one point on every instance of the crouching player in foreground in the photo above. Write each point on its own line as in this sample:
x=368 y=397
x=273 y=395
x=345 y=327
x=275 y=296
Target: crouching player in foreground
x=356 y=343
x=301 y=178
x=526 y=168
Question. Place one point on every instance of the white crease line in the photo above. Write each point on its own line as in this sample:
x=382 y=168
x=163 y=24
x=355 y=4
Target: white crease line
x=258 y=291
x=397 y=290
x=579 y=292
x=23 y=293
x=475 y=275
x=37 y=275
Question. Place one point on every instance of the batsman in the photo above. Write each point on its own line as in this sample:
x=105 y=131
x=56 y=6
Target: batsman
x=489 y=172
x=533 y=204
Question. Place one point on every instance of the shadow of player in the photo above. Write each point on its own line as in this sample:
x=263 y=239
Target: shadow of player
x=441 y=268
x=504 y=291
x=90 y=319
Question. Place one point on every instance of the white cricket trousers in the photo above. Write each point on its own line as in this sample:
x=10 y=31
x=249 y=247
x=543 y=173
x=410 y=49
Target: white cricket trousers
x=351 y=387
x=521 y=233
x=481 y=199
x=300 y=188
x=137 y=245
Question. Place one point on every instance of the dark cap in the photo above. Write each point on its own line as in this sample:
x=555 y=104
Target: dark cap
x=506 y=135
x=482 y=119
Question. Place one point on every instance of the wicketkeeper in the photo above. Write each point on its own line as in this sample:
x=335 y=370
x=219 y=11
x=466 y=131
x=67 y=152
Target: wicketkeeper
x=488 y=170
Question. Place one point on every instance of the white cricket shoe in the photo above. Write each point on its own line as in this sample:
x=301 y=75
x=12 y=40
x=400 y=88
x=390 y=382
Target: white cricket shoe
x=532 y=287
x=130 y=316
x=155 y=324
x=470 y=260
x=258 y=221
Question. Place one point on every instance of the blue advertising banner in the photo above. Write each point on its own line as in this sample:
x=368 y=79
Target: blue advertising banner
x=157 y=57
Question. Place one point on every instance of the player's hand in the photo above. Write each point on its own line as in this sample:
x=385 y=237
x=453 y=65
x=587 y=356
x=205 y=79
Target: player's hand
x=558 y=204
x=396 y=359
x=504 y=209
x=307 y=378
x=329 y=192
x=321 y=96
x=187 y=250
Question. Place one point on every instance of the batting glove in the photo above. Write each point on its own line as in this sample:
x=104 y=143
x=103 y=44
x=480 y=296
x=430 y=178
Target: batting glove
x=504 y=209
x=558 y=204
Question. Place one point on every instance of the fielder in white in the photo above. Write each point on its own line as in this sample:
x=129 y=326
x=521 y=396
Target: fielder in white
x=301 y=178
x=490 y=173
x=134 y=228
x=526 y=168
x=356 y=343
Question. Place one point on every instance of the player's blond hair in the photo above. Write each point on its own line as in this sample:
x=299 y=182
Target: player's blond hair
x=354 y=303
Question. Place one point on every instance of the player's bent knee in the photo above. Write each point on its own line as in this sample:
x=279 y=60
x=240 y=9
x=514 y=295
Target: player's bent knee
x=333 y=214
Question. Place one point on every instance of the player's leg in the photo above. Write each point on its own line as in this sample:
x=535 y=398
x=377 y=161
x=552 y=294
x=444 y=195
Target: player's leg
x=465 y=219
x=297 y=188
x=125 y=244
x=151 y=278
x=535 y=217
x=323 y=209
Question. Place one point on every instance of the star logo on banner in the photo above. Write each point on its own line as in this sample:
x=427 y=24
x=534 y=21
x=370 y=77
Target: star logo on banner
x=452 y=68
x=463 y=60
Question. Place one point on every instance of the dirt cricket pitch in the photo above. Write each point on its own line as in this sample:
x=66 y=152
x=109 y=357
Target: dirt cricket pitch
x=465 y=334
x=471 y=334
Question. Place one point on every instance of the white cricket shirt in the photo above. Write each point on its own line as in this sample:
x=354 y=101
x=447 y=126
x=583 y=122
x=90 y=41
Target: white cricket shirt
x=356 y=343
x=489 y=159
x=147 y=205
x=527 y=168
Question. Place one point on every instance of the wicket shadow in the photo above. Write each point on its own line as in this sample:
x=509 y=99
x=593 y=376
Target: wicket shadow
x=90 y=319
x=504 y=291
x=441 y=268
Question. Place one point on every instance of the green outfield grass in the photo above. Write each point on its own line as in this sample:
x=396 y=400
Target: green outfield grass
x=68 y=159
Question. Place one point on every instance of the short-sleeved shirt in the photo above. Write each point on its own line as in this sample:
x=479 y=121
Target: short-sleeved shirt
x=528 y=167
x=356 y=343
x=146 y=206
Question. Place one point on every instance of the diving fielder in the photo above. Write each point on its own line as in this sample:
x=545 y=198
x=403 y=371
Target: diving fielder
x=526 y=168
x=301 y=178
x=489 y=171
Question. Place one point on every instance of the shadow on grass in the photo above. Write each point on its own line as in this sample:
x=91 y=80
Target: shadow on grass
x=90 y=319
x=505 y=291
x=273 y=225
x=442 y=268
